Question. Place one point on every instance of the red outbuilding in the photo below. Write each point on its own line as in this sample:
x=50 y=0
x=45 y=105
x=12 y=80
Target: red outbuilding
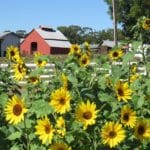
x=45 y=40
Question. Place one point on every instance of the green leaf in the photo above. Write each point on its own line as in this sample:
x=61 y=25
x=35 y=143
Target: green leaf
x=140 y=101
x=116 y=71
x=102 y=82
x=69 y=138
x=3 y=99
x=105 y=97
x=15 y=147
x=136 y=44
x=41 y=108
x=14 y=135
x=127 y=57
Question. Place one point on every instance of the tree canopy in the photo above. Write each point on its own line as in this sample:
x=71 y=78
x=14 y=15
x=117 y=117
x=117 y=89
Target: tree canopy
x=128 y=12
x=77 y=34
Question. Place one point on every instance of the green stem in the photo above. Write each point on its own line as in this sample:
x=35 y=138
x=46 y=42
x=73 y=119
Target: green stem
x=27 y=136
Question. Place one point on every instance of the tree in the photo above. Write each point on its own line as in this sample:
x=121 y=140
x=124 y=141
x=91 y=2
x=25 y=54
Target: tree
x=128 y=12
x=78 y=35
x=72 y=33
x=21 y=33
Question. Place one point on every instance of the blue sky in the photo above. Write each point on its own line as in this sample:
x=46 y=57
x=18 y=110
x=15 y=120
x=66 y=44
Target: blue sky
x=29 y=14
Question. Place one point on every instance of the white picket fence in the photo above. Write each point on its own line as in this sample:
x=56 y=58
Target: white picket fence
x=50 y=68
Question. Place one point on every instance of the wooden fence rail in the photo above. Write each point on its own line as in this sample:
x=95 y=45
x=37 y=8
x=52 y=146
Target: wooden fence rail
x=49 y=70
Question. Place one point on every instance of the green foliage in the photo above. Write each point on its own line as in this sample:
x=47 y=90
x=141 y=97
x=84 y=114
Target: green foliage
x=77 y=34
x=128 y=12
x=95 y=82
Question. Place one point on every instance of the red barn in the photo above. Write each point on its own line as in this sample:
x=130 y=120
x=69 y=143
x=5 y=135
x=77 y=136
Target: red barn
x=45 y=40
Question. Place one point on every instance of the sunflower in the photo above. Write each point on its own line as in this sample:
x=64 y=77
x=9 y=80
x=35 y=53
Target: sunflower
x=60 y=146
x=87 y=46
x=12 y=53
x=142 y=129
x=33 y=79
x=20 y=70
x=112 y=134
x=75 y=49
x=128 y=116
x=133 y=68
x=60 y=100
x=64 y=79
x=60 y=126
x=134 y=77
x=146 y=24
x=84 y=60
x=44 y=130
x=86 y=113
x=37 y=54
x=115 y=54
x=15 y=110
x=40 y=62
x=123 y=91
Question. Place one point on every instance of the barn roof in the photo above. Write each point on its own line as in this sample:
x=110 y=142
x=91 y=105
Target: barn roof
x=6 y=33
x=53 y=37
x=108 y=43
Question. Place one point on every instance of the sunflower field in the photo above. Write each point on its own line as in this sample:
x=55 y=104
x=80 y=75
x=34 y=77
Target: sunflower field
x=88 y=103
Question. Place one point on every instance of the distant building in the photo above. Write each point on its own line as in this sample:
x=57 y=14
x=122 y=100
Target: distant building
x=6 y=39
x=45 y=40
x=106 y=46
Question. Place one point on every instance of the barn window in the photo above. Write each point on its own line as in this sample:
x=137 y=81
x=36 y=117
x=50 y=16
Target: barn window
x=33 y=47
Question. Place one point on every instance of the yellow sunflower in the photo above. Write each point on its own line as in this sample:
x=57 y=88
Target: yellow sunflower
x=64 y=79
x=142 y=129
x=60 y=146
x=12 y=53
x=87 y=46
x=123 y=91
x=86 y=113
x=37 y=54
x=75 y=49
x=40 y=62
x=115 y=54
x=60 y=126
x=134 y=77
x=134 y=68
x=60 y=100
x=33 y=79
x=112 y=134
x=15 y=110
x=128 y=116
x=84 y=60
x=20 y=70
x=44 y=130
x=146 y=24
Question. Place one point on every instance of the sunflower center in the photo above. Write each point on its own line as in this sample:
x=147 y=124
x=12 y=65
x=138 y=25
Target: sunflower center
x=12 y=53
x=39 y=62
x=115 y=54
x=75 y=48
x=17 y=109
x=62 y=101
x=84 y=61
x=112 y=134
x=60 y=148
x=147 y=22
x=141 y=130
x=126 y=117
x=47 y=129
x=120 y=92
x=20 y=68
x=33 y=79
x=87 y=115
